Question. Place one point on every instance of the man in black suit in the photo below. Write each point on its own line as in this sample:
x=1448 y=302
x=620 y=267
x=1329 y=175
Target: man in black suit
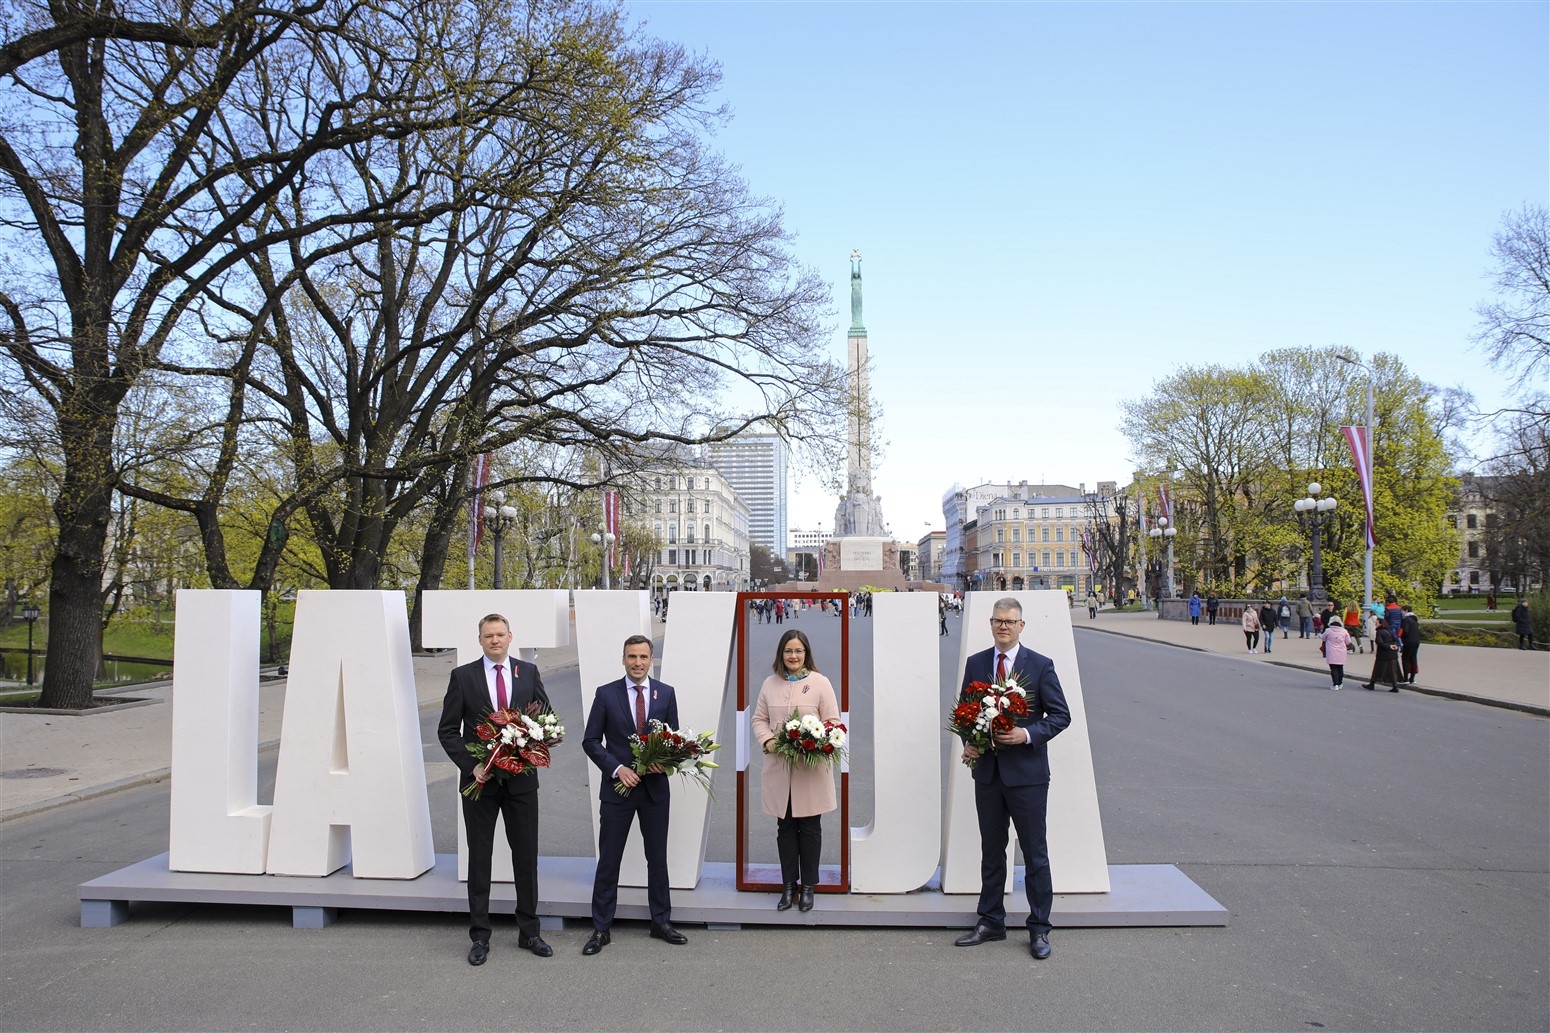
x=619 y=710
x=1011 y=782
x=496 y=681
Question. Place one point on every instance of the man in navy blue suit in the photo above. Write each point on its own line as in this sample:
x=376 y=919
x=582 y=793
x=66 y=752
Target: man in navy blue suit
x=619 y=710
x=1011 y=781
x=496 y=681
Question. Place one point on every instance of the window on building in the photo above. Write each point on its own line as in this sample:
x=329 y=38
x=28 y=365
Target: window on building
x=1471 y=521
x=672 y=557
x=1491 y=522
x=1000 y=535
x=1060 y=533
x=1059 y=512
x=1044 y=513
x=1474 y=577
x=657 y=507
x=1017 y=514
x=689 y=508
x=1017 y=559
x=1474 y=550
x=672 y=505
x=1060 y=557
x=995 y=559
x=688 y=532
x=657 y=484
x=1044 y=533
x=672 y=534
x=1017 y=534
x=1046 y=558
x=707 y=533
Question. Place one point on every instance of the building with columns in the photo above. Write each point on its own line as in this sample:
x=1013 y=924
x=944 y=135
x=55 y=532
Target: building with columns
x=703 y=526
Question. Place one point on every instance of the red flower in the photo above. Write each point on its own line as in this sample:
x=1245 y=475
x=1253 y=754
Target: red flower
x=485 y=731
x=828 y=747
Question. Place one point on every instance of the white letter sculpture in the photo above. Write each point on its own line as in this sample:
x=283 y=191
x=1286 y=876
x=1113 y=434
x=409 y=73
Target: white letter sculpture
x=350 y=766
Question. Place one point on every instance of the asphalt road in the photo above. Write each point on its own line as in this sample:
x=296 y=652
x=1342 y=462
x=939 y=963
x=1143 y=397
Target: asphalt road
x=1386 y=860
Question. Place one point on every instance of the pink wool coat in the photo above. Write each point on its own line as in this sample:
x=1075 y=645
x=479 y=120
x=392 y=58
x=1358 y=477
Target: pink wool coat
x=1337 y=644
x=811 y=789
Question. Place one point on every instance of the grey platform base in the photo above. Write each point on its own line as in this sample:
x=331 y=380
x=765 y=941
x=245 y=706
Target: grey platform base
x=1140 y=895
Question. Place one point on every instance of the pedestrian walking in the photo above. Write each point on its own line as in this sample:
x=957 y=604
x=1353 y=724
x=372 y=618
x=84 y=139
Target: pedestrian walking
x=1304 y=615
x=1284 y=615
x=1092 y=605
x=1335 y=644
x=1251 y=627
x=1212 y=605
x=1523 y=623
x=1353 y=624
x=1267 y=624
x=1410 y=645
x=1385 y=658
x=1194 y=608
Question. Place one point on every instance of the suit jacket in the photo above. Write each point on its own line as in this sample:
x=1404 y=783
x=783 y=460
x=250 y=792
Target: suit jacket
x=1028 y=764
x=610 y=724
x=467 y=704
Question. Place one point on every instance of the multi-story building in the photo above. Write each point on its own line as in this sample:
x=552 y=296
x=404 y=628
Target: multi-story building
x=961 y=505
x=1035 y=541
x=804 y=551
x=703 y=525
x=930 y=550
x=755 y=466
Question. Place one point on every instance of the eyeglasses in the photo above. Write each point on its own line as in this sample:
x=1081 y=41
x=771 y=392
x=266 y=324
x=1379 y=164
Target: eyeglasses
x=998 y=622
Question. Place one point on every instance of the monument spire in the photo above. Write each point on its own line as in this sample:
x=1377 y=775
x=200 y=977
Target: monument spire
x=856 y=328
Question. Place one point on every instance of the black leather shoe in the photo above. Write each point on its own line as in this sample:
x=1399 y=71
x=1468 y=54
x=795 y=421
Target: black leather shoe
x=1367 y=686
x=805 y=899
x=596 y=942
x=784 y=903
x=666 y=932
x=479 y=953
x=1394 y=689
x=1039 y=946
x=535 y=944
x=979 y=934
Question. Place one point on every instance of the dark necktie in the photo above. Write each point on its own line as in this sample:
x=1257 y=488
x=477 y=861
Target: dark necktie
x=500 y=687
x=640 y=710
x=1000 y=667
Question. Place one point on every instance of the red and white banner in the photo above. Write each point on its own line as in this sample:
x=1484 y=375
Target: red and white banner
x=1356 y=437
x=478 y=477
x=1167 y=506
x=611 y=525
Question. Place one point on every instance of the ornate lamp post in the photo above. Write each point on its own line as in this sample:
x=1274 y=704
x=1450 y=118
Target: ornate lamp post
x=1313 y=513
x=30 y=614
x=1163 y=530
x=497 y=518
x=603 y=538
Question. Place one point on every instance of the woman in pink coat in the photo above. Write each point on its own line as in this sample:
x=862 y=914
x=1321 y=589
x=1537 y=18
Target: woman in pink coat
x=797 y=796
x=1336 y=647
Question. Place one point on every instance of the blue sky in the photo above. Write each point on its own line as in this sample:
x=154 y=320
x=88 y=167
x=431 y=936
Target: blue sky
x=1058 y=204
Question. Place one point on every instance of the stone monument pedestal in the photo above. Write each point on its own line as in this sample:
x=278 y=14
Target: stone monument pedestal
x=859 y=561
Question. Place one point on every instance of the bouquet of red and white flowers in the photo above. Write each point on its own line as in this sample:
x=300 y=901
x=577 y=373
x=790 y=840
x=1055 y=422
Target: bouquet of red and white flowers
x=674 y=752
x=807 y=741
x=512 y=743
x=986 y=708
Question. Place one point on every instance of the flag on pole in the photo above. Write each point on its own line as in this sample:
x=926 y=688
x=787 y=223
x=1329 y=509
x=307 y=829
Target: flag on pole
x=1162 y=497
x=1356 y=437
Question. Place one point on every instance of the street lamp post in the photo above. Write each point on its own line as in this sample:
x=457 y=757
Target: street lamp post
x=1315 y=513
x=497 y=518
x=604 y=539
x=1164 y=531
x=30 y=614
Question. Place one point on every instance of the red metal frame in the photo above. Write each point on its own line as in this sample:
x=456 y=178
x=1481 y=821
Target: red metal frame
x=745 y=879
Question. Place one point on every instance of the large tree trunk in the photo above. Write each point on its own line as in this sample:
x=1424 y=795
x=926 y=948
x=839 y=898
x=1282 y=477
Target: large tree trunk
x=83 y=509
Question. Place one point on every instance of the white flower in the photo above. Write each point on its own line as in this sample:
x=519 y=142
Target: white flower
x=793 y=725
x=837 y=737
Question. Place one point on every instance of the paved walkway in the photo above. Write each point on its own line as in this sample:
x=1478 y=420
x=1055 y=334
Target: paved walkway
x=76 y=757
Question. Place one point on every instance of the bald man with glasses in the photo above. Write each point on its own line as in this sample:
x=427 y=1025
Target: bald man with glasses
x=1011 y=781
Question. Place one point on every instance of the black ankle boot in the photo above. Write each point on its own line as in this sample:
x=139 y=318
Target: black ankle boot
x=805 y=900
x=784 y=903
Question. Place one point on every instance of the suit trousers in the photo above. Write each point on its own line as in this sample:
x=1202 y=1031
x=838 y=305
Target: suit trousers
x=613 y=830
x=518 y=810
x=800 y=843
x=1024 y=807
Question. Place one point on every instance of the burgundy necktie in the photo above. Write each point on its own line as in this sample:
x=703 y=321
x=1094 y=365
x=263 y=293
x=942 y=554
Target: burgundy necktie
x=1000 y=667
x=500 y=687
x=640 y=710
